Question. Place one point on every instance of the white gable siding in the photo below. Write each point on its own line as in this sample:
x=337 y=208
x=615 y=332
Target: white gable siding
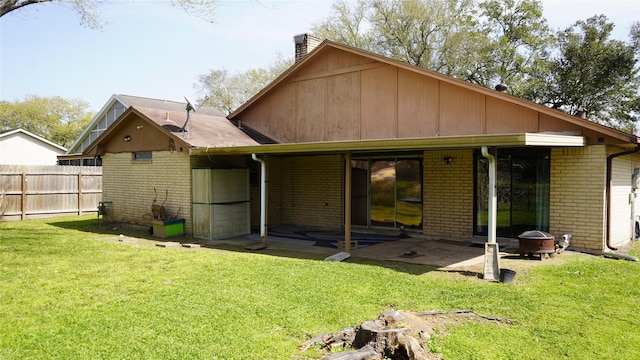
x=99 y=125
x=22 y=149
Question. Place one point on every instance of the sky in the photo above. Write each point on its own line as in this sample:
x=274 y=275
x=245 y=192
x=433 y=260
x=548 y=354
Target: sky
x=150 y=49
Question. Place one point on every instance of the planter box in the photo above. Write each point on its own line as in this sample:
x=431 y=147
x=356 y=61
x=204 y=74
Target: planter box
x=168 y=228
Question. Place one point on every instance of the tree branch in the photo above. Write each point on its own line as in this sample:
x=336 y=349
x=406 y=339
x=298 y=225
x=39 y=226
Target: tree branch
x=7 y=6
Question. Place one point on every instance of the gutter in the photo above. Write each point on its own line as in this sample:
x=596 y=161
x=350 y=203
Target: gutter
x=608 y=191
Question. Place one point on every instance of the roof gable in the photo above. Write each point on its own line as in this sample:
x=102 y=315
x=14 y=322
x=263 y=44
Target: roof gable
x=147 y=129
x=116 y=106
x=342 y=93
x=21 y=147
x=6 y=134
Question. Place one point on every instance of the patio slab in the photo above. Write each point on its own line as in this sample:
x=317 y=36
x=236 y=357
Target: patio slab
x=440 y=253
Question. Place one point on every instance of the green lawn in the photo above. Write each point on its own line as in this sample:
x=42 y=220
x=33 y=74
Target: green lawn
x=72 y=294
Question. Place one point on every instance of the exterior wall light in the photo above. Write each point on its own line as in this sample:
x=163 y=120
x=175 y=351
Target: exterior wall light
x=448 y=159
x=127 y=138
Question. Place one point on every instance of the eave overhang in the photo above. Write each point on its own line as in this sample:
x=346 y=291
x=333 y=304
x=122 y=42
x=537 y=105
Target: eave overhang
x=397 y=145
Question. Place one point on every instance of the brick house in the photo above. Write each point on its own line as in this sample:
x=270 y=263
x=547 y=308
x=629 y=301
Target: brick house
x=111 y=110
x=352 y=140
x=145 y=155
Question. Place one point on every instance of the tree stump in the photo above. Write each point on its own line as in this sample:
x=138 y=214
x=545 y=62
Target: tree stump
x=395 y=335
x=378 y=335
x=365 y=353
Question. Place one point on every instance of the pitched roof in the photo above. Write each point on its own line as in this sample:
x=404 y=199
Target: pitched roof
x=326 y=45
x=165 y=105
x=9 y=132
x=202 y=130
x=127 y=101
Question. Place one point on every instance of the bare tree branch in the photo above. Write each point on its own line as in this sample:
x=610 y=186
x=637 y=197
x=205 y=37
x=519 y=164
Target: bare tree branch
x=7 y=6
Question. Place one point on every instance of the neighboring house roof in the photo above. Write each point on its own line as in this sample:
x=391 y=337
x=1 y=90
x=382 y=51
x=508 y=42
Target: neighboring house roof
x=21 y=147
x=202 y=131
x=320 y=63
x=116 y=106
x=10 y=132
x=166 y=105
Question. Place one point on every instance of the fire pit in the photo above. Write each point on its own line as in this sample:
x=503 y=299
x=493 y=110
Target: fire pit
x=536 y=242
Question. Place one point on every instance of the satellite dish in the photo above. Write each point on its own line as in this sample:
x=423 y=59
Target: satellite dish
x=190 y=104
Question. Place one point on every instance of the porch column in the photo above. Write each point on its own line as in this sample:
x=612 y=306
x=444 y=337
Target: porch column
x=491 y=252
x=263 y=197
x=347 y=202
x=493 y=199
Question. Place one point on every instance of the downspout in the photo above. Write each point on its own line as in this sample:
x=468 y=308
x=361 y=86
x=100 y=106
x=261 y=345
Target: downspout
x=608 y=191
x=493 y=203
x=263 y=197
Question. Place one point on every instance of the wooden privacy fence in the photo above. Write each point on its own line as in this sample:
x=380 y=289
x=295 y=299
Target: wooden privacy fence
x=29 y=192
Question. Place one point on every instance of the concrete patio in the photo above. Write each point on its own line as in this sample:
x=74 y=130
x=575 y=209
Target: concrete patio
x=413 y=250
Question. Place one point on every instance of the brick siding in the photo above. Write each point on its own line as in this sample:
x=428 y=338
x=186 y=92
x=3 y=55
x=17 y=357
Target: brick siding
x=306 y=191
x=448 y=194
x=577 y=195
x=129 y=186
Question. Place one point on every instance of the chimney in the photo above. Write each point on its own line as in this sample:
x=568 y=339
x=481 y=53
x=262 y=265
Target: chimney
x=304 y=44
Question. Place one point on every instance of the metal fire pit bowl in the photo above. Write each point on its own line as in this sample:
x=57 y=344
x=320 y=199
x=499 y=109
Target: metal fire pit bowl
x=536 y=242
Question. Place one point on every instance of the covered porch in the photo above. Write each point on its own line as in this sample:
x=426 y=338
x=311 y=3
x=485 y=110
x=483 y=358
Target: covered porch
x=295 y=189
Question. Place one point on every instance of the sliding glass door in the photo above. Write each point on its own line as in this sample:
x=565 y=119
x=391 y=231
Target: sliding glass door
x=387 y=192
x=522 y=186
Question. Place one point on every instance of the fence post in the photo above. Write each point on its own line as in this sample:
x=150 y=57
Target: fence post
x=23 y=196
x=80 y=192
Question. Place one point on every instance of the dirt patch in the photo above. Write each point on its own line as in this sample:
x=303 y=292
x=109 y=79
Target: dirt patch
x=396 y=334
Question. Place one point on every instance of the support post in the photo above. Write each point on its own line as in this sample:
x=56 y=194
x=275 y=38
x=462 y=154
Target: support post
x=347 y=202
x=491 y=251
x=263 y=197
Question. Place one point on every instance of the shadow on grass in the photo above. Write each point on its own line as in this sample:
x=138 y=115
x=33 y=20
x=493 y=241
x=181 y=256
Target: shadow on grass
x=413 y=269
x=467 y=273
x=96 y=226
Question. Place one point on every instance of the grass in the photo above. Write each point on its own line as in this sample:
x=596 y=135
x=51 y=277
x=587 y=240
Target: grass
x=72 y=294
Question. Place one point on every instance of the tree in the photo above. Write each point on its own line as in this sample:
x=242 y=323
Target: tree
x=596 y=73
x=414 y=31
x=227 y=92
x=417 y=32
x=56 y=119
x=503 y=41
x=89 y=10
x=495 y=41
x=518 y=37
x=347 y=25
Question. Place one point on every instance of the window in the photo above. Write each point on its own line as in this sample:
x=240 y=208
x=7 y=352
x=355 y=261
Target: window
x=522 y=185
x=142 y=156
x=387 y=192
